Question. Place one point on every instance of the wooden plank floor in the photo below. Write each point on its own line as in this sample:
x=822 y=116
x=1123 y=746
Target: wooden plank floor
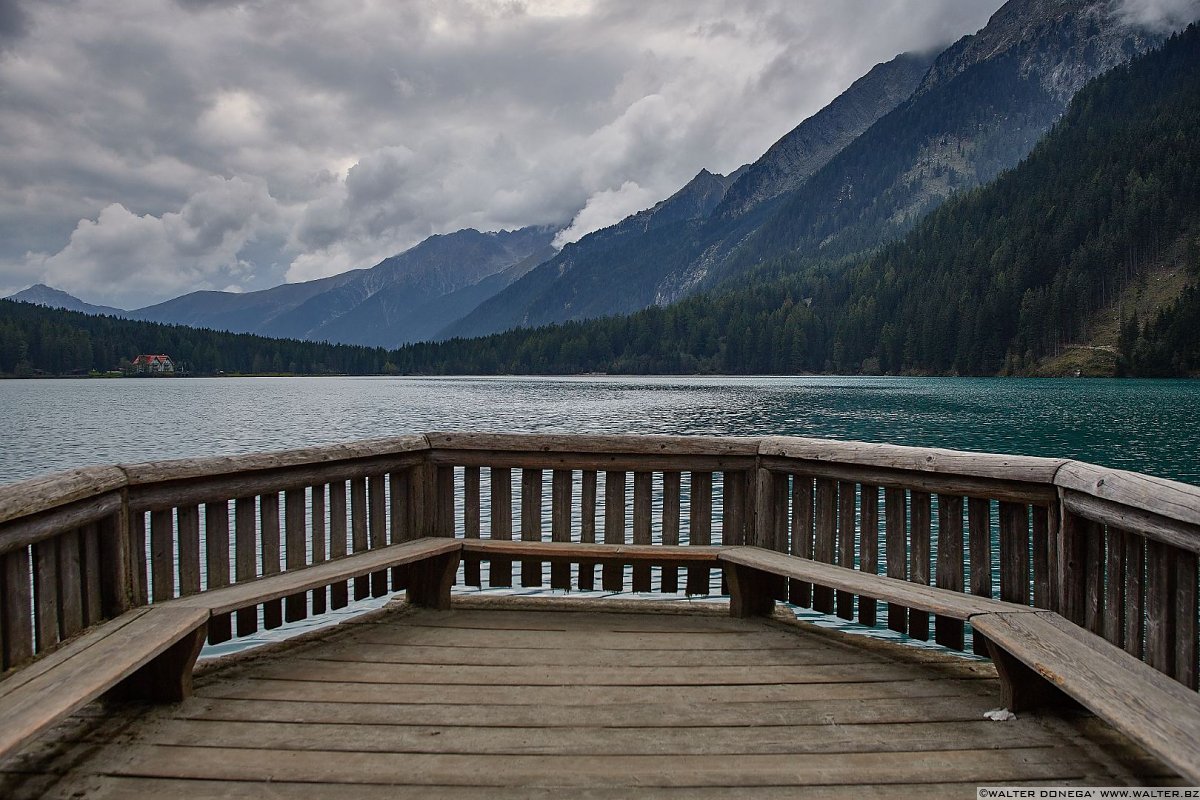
x=511 y=697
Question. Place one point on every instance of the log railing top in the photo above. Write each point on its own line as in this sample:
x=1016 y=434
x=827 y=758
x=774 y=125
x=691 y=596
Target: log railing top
x=1166 y=499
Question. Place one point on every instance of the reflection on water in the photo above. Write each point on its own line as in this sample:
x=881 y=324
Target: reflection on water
x=1149 y=426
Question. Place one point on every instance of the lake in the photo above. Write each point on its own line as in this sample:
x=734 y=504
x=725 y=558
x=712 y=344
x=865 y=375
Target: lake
x=51 y=425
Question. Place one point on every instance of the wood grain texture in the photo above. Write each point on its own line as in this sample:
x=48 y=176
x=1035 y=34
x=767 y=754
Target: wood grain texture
x=472 y=517
x=33 y=496
x=869 y=549
x=561 y=483
x=643 y=490
x=587 y=529
x=699 y=579
x=825 y=538
x=803 y=516
x=500 y=570
x=613 y=575
x=919 y=555
x=950 y=566
x=672 y=482
x=846 y=540
x=16 y=609
x=896 y=546
x=531 y=523
x=339 y=592
x=979 y=543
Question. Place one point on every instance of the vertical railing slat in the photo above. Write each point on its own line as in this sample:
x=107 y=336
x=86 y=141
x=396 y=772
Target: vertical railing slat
x=70 y=584
x=560 y=523
x=93 y=603
x=162 y=554
x=1041 y=557
x=800 y=592
x=139 y=560
x=246 y=556
x=1160 y=607
x=296 y=536
x=216 y=563
x=672 y=481
x=268 y=510
x=318 y=527
x=979 y=545
x=1014 y=553
x=45 y=594
x=699 y=579
x=918 y=559
x=500 y=569
x=400 y=522
x=339 y=592
x=643 y=489
x=16 y=645
x=896 y=545
x=531 y=523
x=471 y=523
x=868 y=546
x=1114 y=585
x=377 y=527
x=1094 y=597
x=847 y=511
x=825 y=539
x=587 y=527
x=359 y=535
x=613 y=575
x=1133 y=593
x=948 y=632
x=188 y=519
x=1185 y=617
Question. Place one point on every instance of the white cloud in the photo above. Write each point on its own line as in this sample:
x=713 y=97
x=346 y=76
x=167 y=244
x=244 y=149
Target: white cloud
x=605 y=208
x=126 y=127
x=1161 y=15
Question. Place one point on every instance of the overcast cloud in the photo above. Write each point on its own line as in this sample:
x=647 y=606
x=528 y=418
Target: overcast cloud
x=154 y=147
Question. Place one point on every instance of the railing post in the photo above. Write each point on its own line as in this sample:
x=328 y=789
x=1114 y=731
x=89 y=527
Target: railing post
x=116 y=580
x=1071 y=549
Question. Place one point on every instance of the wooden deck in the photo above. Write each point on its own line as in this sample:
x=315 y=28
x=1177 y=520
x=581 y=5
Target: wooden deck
x=519 y=697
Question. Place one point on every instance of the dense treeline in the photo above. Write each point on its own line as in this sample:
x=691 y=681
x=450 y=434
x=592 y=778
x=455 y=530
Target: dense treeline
x=992 y=281
x=39 y=340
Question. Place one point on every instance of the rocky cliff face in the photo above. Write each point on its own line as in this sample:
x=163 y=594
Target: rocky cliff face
x=42 y=295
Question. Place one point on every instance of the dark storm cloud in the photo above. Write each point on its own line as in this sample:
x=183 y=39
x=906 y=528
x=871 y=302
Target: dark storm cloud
x=12 y=20
x=151 y=147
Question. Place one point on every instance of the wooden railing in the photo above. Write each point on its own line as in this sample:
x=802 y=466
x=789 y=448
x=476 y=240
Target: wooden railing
x=1114 y=552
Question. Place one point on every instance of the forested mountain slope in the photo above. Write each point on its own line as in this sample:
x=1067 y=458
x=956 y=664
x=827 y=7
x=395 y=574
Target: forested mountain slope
x=994 y=280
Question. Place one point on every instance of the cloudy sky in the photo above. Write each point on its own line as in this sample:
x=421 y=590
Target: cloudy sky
x=154 y=147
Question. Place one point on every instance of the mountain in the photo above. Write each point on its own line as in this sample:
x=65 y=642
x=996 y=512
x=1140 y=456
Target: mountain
x=629 y=265
x=404 y=298
x=42 y=295
x=919 y=137
x=1003 y=279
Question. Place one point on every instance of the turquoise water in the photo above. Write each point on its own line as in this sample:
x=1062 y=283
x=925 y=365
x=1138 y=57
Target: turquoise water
x=1148 y=426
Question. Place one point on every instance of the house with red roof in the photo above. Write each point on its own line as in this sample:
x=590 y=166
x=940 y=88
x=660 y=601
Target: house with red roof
x=159 y=364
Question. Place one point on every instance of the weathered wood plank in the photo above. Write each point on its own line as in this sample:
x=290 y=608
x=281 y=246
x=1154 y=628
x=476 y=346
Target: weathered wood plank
x=93 y=595
x=16 y=608
x=587 y=529
x=319 y=528
x=734 y=506
x=188 y=522
x=643 y=489
x=47 y=492
x=70 y=584
x=531 y=523
x=800 y=592
x=1014 y=553
x=268 y=512
x=1156 y=712
x=949 y=632
x=21 y=532
x=216 y=563
x=401 y=520
x=359 y=535
x=609 y=554
x=1160 y=607
x=472 y=513
x=162 y=554
x=1164 y=498
x=500 y=570
x=1133 y=593
x=672 y=482
x=83 y=670
x=561 y=484
x=896 y=545
x=444 y=521
x=296 y=535
x=868 y=549
x=1114 y=585
x=1093 y=615
x=919 y=559
x=847 y=508
x=979 y=545
x=339 y=591
x=272 y=588
x=1184 y=535
x=377 y=527
x=699 y=579
x=1041 y=557
x=1186 y=612
x=246 y=557
x=825 y=539
x=613 y=575
x=118 y=578
x=45 y=594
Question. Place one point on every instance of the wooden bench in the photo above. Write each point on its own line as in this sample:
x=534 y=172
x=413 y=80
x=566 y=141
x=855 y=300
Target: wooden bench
x=1041 y=658
x=147 y=654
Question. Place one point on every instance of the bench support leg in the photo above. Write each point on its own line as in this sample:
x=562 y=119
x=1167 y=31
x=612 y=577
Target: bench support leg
x=750 y=592
x=1022 y=688
x=168 y=677
x=429 y=581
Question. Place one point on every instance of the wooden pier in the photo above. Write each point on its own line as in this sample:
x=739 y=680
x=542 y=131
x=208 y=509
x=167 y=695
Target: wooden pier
x=112 y=578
